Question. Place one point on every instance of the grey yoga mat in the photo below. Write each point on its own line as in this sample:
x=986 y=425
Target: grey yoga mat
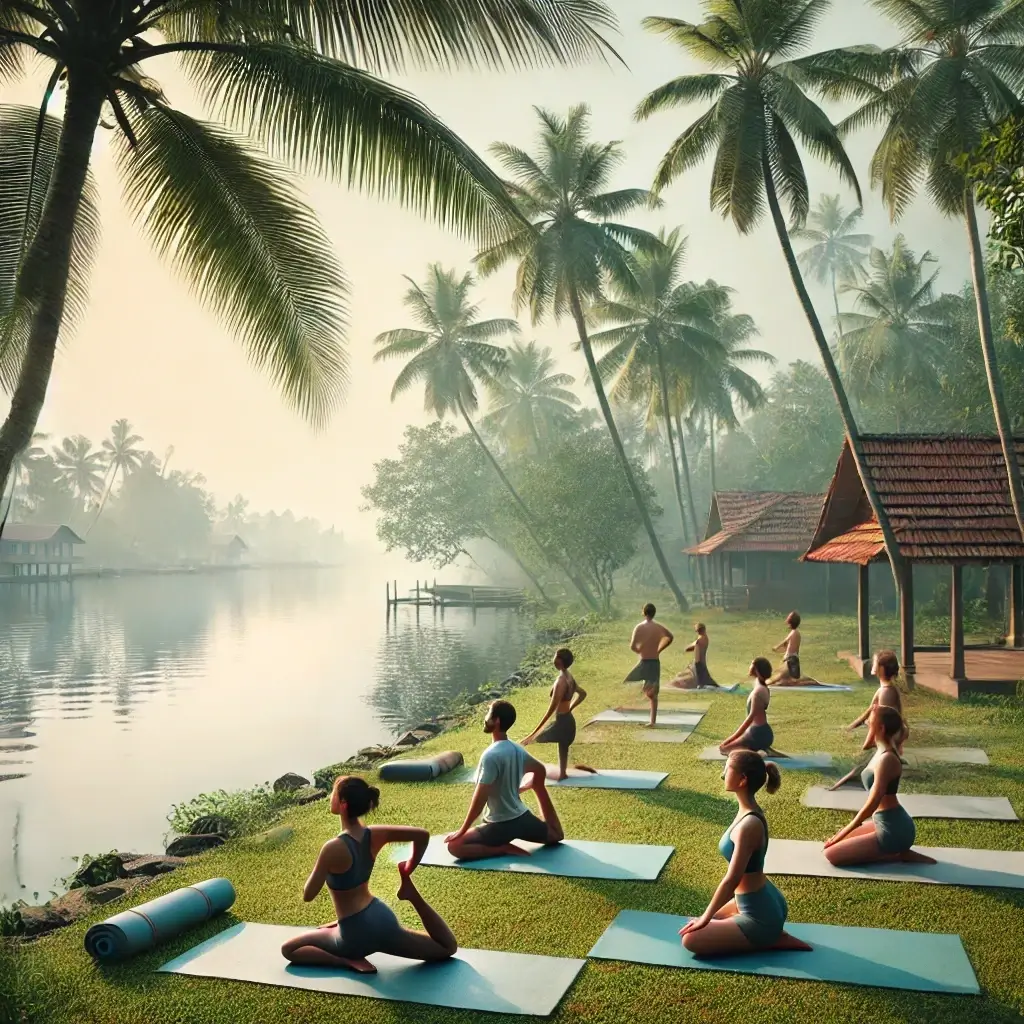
x=919 y=805
x=794 y=762
x=603 y=778
x=674 y=718
x=916 y=756
x=574 y=858
x=474 y=979
x=987 y=868
x=674 y=734
x=913 y=961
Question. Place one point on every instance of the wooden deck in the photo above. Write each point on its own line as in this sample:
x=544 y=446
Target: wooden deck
x=993 y=670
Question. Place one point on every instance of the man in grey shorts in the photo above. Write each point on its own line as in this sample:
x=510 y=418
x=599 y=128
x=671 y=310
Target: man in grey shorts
x=649 y=639
x=498 y=778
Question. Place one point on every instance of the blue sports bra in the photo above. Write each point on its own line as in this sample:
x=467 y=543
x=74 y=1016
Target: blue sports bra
x=362 y=864
x=726 y=847
x=867 y=779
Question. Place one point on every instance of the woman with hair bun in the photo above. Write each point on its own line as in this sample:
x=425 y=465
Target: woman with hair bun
x=364 y=923
x=747 y=912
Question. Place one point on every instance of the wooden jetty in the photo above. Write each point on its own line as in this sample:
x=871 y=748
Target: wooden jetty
x=436 y=595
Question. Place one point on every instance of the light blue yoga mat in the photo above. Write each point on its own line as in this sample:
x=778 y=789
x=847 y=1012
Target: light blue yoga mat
x=575 y=858
x=148 y=924
x=474 y=979
x=603 y=778
x=631 y=717
x=796 y=762
x=913 y=961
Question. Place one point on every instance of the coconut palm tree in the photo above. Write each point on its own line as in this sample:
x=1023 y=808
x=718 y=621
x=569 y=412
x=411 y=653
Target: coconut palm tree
x=958 y=72
x=759 y=109
x=80 y=467
x=302 y=80
x=571 y=246
x=899 y=331
x=122 y=458
x=20 y=469
x=529 y=402
x=449 y=354
x=835 y=253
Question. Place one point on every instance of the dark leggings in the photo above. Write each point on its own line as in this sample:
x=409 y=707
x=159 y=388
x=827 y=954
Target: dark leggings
x=561 y=731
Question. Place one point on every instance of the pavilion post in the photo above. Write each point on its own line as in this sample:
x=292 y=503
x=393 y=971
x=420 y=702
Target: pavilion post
x=1016 y=636
x=907 y=618
x=863 y=617
x=956 y=623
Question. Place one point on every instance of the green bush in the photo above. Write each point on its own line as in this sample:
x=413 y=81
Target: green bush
x=11 y=923
x=252 y=810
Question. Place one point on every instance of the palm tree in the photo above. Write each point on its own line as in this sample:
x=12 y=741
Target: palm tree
x=448 y=355
x=80 y=467
x=20 y=469
x=122 y=458
x=897 y=335
x=958 y=72
x=528 y=400
x=759 y=106
x=835 y=254
x=302 y=80
x=571 y=246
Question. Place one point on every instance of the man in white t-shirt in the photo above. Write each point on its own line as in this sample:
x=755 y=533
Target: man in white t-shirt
x=498 y=778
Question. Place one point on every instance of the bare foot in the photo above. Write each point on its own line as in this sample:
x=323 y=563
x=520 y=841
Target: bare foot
x=407 y=888
x=787 y=941
x=360 y=966
x=913 y=857
x=556 y=777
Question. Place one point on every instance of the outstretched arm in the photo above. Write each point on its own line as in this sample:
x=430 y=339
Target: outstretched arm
x=692 y=646
x=556 y=699
x=861 y=719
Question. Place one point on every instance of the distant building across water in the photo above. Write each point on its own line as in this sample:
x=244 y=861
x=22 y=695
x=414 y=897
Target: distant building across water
x=38 y=550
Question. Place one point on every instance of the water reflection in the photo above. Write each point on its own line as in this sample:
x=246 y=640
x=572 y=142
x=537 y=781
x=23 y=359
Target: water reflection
x=119 y=697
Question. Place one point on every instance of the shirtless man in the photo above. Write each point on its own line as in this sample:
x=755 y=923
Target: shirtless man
x=699 y=647
x=649 y=639
x=790 y=673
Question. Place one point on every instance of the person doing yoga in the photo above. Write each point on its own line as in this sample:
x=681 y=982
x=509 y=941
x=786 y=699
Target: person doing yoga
x=886 y=667
x=889 y=835
x=790 y=673
x=754 y=733
x=498 y=777
x=365 y=924
x=649 y=639
x=699 y=647
x=566 y=696
x=747 y=912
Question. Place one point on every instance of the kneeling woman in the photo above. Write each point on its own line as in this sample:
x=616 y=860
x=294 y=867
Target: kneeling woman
x=366 y=925
x=747 y=912
x=754 y=733
x=566 y=696
x=889 y=835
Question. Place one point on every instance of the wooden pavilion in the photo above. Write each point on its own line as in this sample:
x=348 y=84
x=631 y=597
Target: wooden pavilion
x=948 y=501
x=752 y=546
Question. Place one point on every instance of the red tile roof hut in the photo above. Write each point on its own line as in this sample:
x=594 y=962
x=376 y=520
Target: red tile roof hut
x=761 y=534
x=948 y=501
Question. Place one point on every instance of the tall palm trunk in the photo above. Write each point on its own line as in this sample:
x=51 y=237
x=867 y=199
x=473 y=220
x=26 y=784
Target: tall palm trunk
x=711 y=450
x=108 y=486
x=992 y=371
x=528 y=519
x=606 y=410
x=47 y=265
x=849 y=424
x=684 y=459
x=667 y=414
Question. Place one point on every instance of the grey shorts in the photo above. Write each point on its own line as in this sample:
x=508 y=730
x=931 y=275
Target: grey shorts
x=648 y=672
x=373 y=930
x=702 y=675
x=793 y=664
x=762 y=915
x=561 y=731
x=894 y=829
x=500 y=833
x=758 y=737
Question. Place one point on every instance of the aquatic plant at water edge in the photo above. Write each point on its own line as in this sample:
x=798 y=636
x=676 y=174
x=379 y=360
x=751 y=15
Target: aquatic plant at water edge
x=250 y=810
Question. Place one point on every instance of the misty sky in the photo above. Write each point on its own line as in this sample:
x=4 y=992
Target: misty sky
x=150 y=353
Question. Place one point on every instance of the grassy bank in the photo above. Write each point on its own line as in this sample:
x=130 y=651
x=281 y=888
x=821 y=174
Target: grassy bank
x=564 y=916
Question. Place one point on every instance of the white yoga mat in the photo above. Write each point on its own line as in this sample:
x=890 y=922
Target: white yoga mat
x=989 y=868
x=474 y=979
x=919 y=805
x=675 y=734
x=795 y=762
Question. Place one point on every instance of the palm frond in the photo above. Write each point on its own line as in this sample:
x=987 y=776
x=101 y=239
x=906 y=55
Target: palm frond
x=689 y=149
x=615 y=204
x=696 y=40
x=251 y=249
x=680 y=92
x=1007 y=26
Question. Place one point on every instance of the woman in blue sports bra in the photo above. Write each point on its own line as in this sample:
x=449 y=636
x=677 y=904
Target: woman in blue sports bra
x=747 y=912
x=890 y=833
x=754 y=733
x=364 y=923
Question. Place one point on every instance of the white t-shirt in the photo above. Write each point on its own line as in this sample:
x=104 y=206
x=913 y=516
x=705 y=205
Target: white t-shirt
x=502 y=766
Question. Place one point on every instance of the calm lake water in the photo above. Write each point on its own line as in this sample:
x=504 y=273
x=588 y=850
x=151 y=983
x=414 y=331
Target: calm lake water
x=120 y=697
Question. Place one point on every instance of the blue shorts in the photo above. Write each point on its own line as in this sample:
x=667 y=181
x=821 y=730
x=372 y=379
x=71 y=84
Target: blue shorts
x=758 y=737
x=894 y=830
x=762 y=915
x=372 y=930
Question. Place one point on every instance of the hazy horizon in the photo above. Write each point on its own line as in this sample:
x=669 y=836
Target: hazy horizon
x=148 y=351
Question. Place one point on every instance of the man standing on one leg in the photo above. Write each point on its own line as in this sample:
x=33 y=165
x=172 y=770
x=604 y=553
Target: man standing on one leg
x=649 y=639
x=498 y=777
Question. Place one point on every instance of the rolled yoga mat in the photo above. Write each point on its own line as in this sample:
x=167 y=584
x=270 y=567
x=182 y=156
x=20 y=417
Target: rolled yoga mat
x=998 y=869
x=919 y=805
x=474 y=979
x=420 y=770
x=912 y=961
x=795 y=762
x=145 y=926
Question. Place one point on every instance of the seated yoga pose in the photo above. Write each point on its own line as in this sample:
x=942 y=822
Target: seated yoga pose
x=697 y=675
x=365 y=924
x=499 y=775
x=889 y=835
x=747 y=912
x=566 y=696
x=754 y=733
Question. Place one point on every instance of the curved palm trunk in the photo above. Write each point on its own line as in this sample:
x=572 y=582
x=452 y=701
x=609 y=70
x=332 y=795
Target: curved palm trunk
x=663 y=383
x=528 y=518
x=48 y=261
x=711 y=452
x=849 y=424
x=684 y=459
x=108 y=486
x=606 y=410
x=992 y=372
x=839 y=323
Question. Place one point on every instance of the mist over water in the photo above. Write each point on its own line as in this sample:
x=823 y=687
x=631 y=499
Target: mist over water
x=120 y=697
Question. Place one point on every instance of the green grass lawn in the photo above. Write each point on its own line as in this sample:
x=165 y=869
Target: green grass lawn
x=564 y=916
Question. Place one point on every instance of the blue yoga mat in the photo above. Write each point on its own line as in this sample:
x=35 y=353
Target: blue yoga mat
x=575 y=858
x=912 y=961
x=149 y=924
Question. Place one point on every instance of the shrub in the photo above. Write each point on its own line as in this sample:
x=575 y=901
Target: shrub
x=252 y=810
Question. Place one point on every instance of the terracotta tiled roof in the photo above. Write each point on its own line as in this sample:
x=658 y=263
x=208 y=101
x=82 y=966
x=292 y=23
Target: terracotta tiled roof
x=738 y=508
x=778 y=522
x=947 y=498
x=38 y=533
